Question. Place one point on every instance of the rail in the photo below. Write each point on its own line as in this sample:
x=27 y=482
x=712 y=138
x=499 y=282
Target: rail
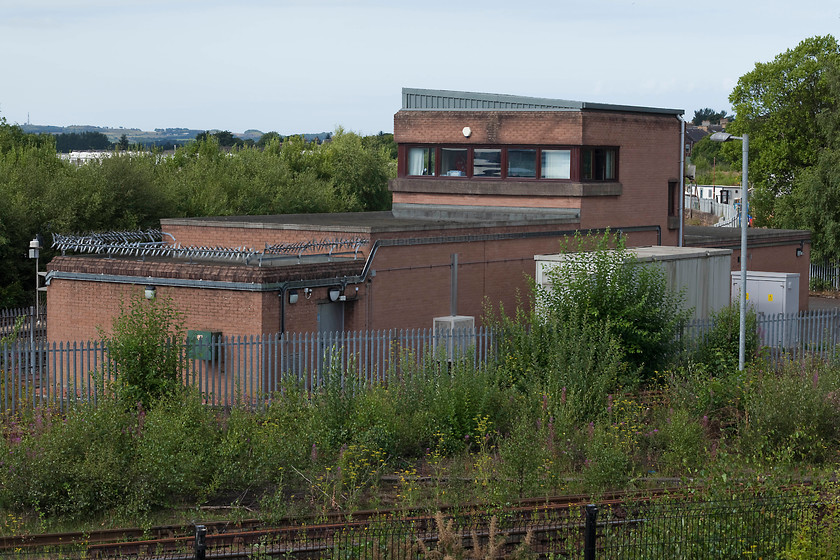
x=626 y=526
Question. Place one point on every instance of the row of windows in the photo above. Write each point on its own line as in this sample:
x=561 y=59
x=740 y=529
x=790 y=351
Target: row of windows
x=584 y=164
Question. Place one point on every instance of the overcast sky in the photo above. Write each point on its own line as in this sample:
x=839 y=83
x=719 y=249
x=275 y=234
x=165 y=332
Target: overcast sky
x=312 y=65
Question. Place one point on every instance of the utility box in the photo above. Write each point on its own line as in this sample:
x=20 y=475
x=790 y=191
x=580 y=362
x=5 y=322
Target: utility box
x=772 y=293
x=455 y=334
x=203 y=345
x=769 y=293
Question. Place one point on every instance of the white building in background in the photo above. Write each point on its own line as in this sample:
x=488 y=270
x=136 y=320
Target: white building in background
x=722 y=194
x=81 y=158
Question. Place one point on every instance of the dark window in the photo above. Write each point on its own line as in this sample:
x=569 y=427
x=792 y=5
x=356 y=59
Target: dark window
x=454 y=161
x=597 y=164
x=673 y=198
x=555 y=163
x=487 y=162
x=522 y=163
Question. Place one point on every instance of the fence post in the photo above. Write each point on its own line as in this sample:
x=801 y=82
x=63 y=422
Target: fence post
x=589 y=529
x=200 y=542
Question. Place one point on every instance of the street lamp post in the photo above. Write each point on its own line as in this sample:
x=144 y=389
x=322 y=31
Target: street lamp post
x=745 y=150
x=35 y=253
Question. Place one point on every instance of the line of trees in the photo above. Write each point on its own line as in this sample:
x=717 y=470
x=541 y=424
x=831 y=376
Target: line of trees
x=42 y=194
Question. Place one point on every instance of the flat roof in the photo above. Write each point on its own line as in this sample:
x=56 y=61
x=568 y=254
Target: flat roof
x=414 y=99
x=708 y=236
x=653 y=253
x=351 y=222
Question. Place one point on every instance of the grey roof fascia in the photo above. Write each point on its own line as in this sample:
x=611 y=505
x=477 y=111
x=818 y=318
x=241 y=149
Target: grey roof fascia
x=415 y=99
x=205 y=284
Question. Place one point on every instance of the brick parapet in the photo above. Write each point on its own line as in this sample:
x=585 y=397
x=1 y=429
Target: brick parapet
x=206 y=272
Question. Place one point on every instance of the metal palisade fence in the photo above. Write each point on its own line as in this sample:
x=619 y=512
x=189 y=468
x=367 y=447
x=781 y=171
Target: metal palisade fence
x=23 y=322
x=229 y=370
x=241 y=369
x=825 y=275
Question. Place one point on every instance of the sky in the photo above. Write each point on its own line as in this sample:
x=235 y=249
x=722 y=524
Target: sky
x=295 y=66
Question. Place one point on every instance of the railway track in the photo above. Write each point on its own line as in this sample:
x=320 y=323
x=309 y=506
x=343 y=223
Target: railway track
x=305 y=538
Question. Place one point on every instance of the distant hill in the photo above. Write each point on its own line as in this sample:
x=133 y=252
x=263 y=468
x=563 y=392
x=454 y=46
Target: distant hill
x=158 y=137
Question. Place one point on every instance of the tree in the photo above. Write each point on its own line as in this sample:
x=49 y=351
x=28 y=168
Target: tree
x=122 y=145
x=816 y=193
x=360 y=174
x=707 y=114
x=778 y=105
x=705 y=153
x=90 y=140
x=266 y=138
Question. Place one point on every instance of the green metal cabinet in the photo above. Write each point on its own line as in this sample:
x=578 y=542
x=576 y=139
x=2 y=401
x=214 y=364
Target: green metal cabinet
x=200 y=345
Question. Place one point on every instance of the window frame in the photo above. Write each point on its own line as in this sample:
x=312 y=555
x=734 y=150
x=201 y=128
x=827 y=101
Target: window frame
x=575 y=163
x=583 y=150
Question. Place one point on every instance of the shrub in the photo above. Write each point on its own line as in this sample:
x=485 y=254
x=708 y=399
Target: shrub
x=75 y=467
x=609 y=287
x=176 y=451
x=574 y=362
x=146 y=351
x=607 y=463
x=718 y=348
x=794 y=415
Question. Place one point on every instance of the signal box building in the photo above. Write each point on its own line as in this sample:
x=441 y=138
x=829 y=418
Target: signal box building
x=484 y=183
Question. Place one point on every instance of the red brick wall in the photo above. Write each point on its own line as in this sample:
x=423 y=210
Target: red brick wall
x=77 y=310
x=488 y=127
x=412 y=284
x=649 y=157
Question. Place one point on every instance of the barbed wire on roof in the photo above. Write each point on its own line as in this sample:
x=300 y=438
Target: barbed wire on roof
x=322 y=245
x=149 y=243
x=328 y=248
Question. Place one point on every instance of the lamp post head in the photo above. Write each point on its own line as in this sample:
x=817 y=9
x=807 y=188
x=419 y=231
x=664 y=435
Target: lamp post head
x=721 y=137
x=34 y=248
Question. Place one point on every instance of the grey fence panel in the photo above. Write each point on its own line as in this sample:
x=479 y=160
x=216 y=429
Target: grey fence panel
x=248 y=369
x=825 y=275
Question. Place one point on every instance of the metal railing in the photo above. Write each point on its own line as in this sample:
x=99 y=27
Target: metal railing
x=249 y=369
x=242 y=369
x=825 y=276
x=741 y=527
x=727 y=212
x=23 y=322
x=781 y=336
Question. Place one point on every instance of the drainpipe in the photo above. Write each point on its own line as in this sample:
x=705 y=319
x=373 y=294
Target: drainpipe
x=283 y=308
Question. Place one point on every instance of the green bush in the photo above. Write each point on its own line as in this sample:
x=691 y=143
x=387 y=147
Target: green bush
x=607 y=464
x=683 y=442
x=718 y=349
x=794 y=414
x=73 y=467
x=176 y=453
x=607 y=286
x=575 y=363
x=145 y=348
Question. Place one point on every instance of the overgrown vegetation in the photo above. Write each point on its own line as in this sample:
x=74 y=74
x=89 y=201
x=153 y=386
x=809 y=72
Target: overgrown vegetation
x=565 y=409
